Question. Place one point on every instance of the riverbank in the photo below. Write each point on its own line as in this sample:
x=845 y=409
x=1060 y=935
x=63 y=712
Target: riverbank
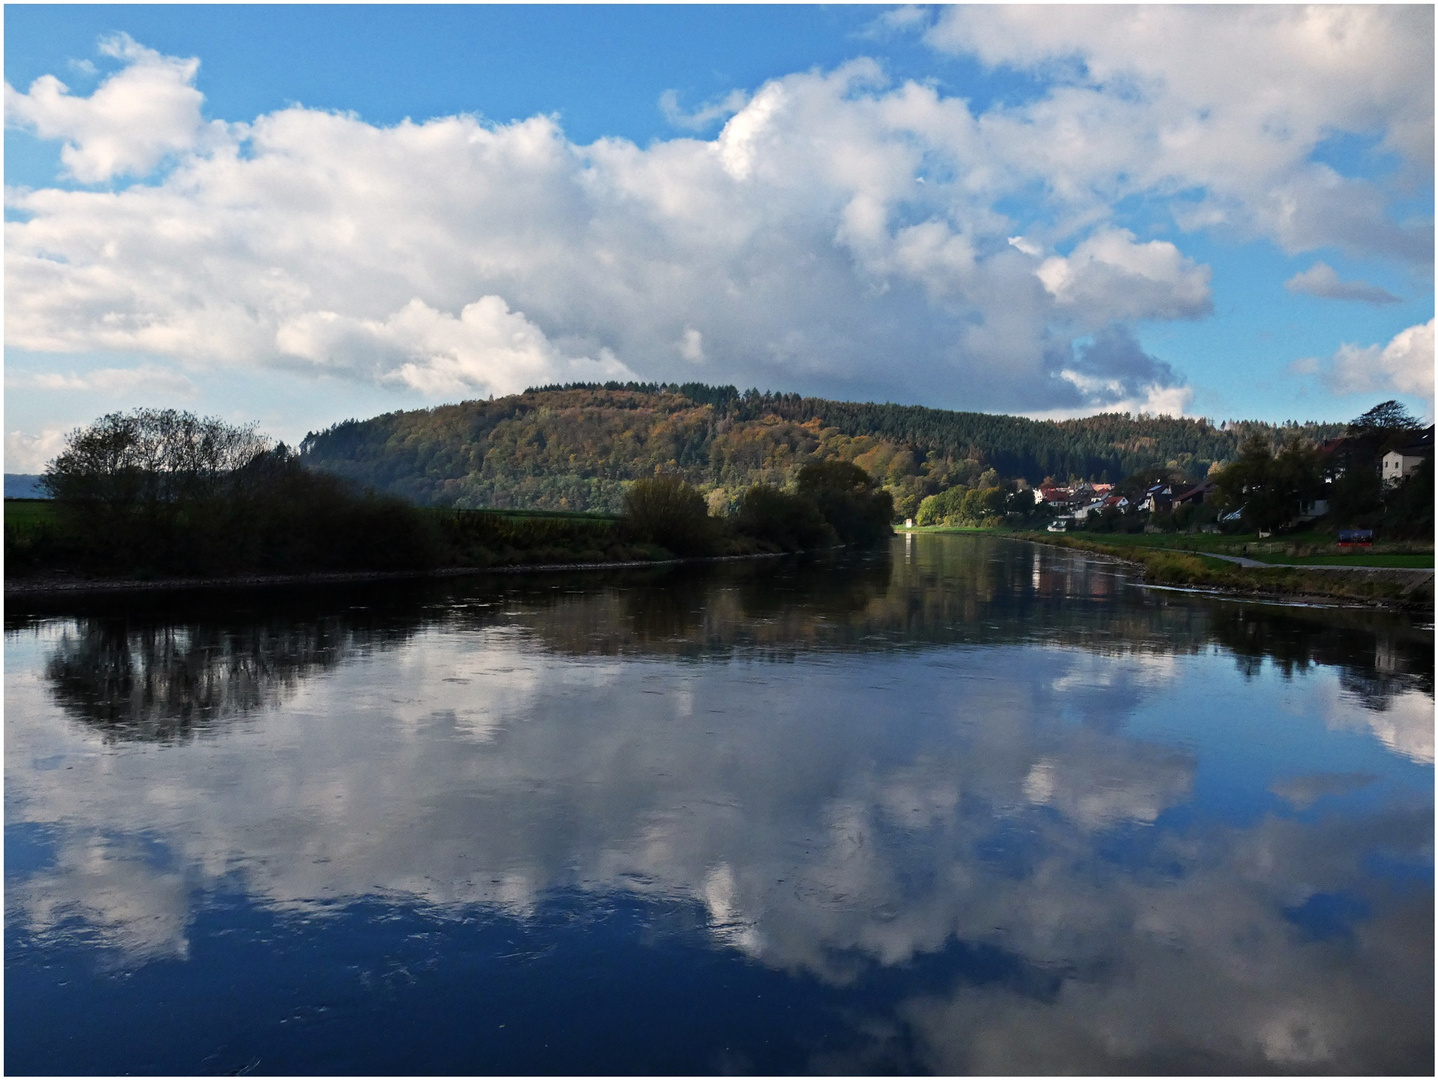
x=60 y=585
x=1405 y=588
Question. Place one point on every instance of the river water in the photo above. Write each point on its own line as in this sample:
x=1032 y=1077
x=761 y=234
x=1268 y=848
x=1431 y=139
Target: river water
x=960 y=805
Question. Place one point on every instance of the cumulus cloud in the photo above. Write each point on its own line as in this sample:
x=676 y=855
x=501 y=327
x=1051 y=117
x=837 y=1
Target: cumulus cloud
x=691 y=346
x=1404 y=365
x=1112 y=370
x=25 y=453
x=909 y=17
x=1320 y=279
x=841 y=232
x=486 y=349
x=453 y=256
x=147 y=110
x=1227 y=102
x=1109 y=276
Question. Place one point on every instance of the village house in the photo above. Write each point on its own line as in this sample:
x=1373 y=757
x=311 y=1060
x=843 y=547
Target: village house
x=1158 y=499
x=1400 y=463
x=1056 y=497
x=1195 y=495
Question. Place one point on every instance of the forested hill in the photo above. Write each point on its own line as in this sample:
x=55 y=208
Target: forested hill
x=573 y=447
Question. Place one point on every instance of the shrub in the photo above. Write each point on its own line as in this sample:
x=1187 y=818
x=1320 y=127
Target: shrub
x=847 y=497
x=667 y=511
x=792 y=522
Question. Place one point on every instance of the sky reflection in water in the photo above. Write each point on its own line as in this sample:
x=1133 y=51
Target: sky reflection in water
x=967 y=805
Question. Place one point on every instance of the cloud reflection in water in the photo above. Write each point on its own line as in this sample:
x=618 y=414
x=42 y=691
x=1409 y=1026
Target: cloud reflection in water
x=844 y=782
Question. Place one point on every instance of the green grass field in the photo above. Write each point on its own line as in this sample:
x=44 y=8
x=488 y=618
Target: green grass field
x=24 y=513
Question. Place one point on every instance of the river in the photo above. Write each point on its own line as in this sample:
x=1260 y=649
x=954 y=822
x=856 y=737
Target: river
x=961 y=805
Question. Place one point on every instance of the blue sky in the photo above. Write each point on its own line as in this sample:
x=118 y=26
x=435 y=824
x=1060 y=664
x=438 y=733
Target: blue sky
x=294 y=215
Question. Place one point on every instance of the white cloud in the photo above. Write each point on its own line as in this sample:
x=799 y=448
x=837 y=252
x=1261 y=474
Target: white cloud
x=1226 y=101
x=1404 y=365
x=149 y=379
x=25 y=453
x=1150 y=400
x=452 y=256
x=909 y=17
x=487 y=349
x=1320 y=279
x=147 y=110
x=739 y=141
x=691 y=346
x=1109 y=276
x=705 y=115
x=795 y=243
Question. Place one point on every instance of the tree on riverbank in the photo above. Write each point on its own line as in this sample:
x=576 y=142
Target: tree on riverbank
x=160 y=490
x=834 y=502
x=1272 y=488
x=849 y=498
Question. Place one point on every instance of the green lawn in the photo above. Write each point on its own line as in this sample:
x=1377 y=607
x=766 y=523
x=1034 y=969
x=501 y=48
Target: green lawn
x=1358 y=558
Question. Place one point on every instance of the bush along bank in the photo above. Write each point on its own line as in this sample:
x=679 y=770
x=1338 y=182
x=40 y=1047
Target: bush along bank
x=836 y=503
x=1176 y=568
x=157 y=493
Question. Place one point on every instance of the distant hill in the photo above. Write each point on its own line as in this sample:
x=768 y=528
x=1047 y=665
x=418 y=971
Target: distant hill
x=573 y=447
x=24 y=486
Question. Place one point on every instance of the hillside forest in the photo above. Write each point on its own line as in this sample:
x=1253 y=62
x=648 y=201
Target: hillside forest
x=575 y=447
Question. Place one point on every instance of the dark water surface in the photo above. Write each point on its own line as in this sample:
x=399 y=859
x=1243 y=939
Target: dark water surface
x=964 y=805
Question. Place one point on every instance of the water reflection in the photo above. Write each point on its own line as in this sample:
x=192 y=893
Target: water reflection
x=1027 y=817
x=157 y=668
x=165 y=682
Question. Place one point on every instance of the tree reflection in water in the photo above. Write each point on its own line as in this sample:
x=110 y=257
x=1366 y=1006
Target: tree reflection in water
x=165 y=669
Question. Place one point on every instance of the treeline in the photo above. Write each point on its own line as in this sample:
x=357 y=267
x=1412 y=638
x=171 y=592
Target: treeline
x=1271 y=484
x=162 y=492
x=575 y=446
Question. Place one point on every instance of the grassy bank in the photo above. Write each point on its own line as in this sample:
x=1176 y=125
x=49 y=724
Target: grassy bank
x=1307 y=548
x=42 y=546
x=39 y=542
x=1165 y=566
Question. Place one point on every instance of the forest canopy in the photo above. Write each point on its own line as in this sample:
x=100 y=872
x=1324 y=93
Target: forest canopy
x=576 y=446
